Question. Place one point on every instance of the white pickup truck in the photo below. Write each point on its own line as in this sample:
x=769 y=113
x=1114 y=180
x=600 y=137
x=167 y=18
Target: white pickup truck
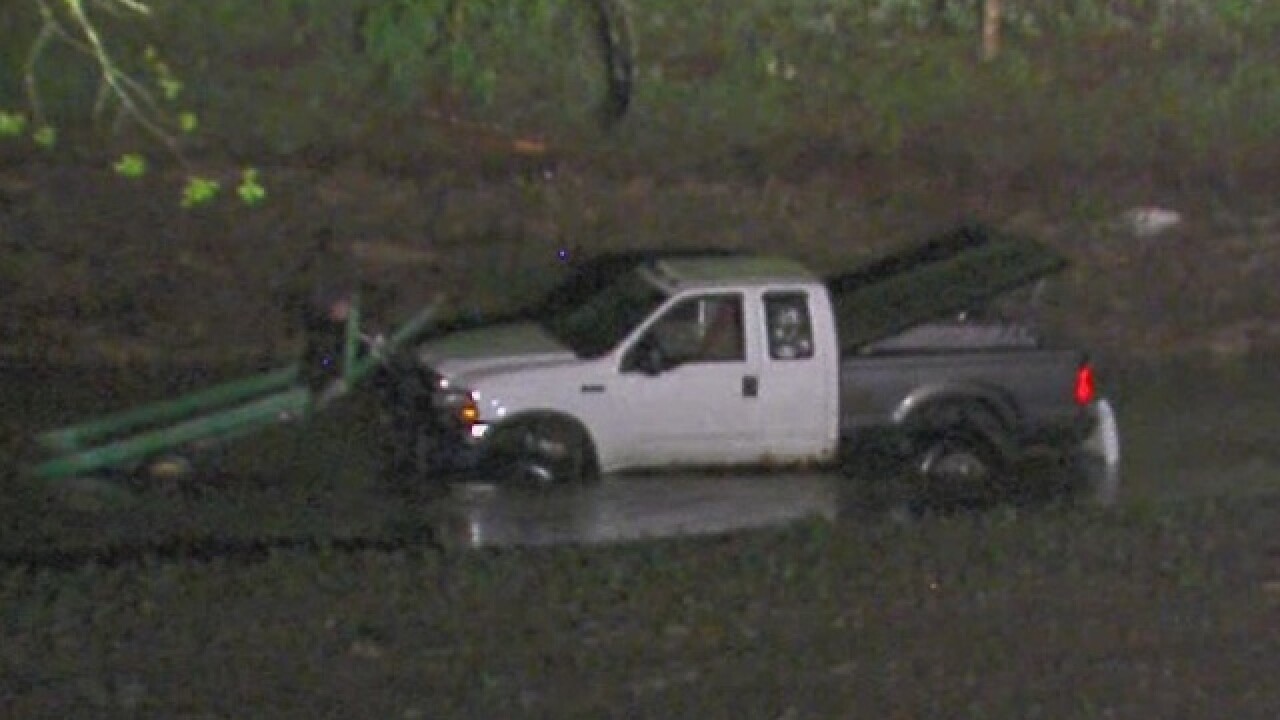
x=724 y=359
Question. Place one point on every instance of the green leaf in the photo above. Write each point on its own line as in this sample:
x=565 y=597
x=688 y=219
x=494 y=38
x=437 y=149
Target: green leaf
x=131 y=165
x=188 y=122
x=170 y=86
x=12 y=124
x=251 y=191
x=46 y=137
x=199 y=191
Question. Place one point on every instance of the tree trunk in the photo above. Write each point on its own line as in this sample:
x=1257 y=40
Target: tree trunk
x=990 y=29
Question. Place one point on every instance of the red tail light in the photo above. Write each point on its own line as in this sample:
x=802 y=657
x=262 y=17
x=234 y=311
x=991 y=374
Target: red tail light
x=1086 y=385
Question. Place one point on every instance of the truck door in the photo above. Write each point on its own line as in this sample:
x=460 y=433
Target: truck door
x=688 y=388
x=797 y=380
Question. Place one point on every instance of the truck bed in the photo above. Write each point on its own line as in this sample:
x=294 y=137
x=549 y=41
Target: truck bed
x=913 y=334
x=1029 y=389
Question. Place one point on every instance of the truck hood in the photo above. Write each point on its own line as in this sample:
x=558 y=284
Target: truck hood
x=496 y=348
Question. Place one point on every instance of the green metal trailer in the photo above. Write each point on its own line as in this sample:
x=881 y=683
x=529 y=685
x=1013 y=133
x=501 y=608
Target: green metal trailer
x=217 y=414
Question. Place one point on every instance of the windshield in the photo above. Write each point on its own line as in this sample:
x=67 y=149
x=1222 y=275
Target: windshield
x=595 y=326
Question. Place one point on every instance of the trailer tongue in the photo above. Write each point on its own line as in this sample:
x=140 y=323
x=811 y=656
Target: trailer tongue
x=216 y=414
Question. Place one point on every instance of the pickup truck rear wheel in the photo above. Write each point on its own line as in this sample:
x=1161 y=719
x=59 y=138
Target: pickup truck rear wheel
x=549 y=452
x=959 y=468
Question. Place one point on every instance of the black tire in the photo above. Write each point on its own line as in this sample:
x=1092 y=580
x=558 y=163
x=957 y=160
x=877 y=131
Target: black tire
x=958 y=468
x=546 y=452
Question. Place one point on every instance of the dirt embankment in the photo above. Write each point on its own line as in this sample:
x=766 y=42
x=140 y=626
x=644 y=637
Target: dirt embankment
x=99 y=269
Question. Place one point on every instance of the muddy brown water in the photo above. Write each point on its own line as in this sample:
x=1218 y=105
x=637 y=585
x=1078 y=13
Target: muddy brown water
x=1187 y=430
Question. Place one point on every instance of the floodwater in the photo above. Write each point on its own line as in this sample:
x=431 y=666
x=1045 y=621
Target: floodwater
x=631 y=508
x=1185 y=431
x=638 y=507
x=1194 y=430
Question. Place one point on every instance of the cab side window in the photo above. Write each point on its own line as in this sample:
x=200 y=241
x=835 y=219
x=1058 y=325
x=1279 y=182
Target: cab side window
x=789 y=327
x=701 y=329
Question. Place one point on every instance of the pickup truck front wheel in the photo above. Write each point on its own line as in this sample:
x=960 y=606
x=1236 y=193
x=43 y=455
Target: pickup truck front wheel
x=545 y=452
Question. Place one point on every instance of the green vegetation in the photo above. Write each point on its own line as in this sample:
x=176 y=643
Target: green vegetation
x=474 y=47
x=1088 y=84
x=146 y=98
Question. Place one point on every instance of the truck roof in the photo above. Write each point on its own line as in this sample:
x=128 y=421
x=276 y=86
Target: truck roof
x=731 y=270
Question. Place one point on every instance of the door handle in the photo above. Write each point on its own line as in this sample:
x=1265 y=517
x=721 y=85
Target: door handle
x=592 y=389
x=750 y=386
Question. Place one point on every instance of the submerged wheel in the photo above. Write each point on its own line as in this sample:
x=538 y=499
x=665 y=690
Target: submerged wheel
x=959 y=468
x=547 y=452
x=959 y=458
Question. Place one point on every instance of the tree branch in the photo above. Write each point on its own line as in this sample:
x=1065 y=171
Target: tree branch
x=29 y=72
x=136 y=101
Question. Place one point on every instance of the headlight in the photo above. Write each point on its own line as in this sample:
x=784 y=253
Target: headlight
x=456 y=403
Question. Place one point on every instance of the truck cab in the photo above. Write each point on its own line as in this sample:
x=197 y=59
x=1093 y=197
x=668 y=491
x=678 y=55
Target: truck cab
x=699 y=361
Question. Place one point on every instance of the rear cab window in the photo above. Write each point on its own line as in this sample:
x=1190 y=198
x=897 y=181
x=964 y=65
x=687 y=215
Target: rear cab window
x=788 y=325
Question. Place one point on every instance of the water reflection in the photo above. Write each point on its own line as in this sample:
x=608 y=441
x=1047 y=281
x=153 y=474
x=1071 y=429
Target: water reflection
x=1193 y=429
x=634 y=508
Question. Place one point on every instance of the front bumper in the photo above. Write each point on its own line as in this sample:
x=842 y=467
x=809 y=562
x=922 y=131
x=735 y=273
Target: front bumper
x=452 y=452
x=425 y=439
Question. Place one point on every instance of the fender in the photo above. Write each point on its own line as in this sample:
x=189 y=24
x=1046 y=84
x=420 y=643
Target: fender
x=994 y=414
x=989 y=398
x=498 y=430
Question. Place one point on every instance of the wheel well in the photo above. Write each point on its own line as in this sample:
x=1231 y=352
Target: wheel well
x=978 y=415
x=524 y=419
